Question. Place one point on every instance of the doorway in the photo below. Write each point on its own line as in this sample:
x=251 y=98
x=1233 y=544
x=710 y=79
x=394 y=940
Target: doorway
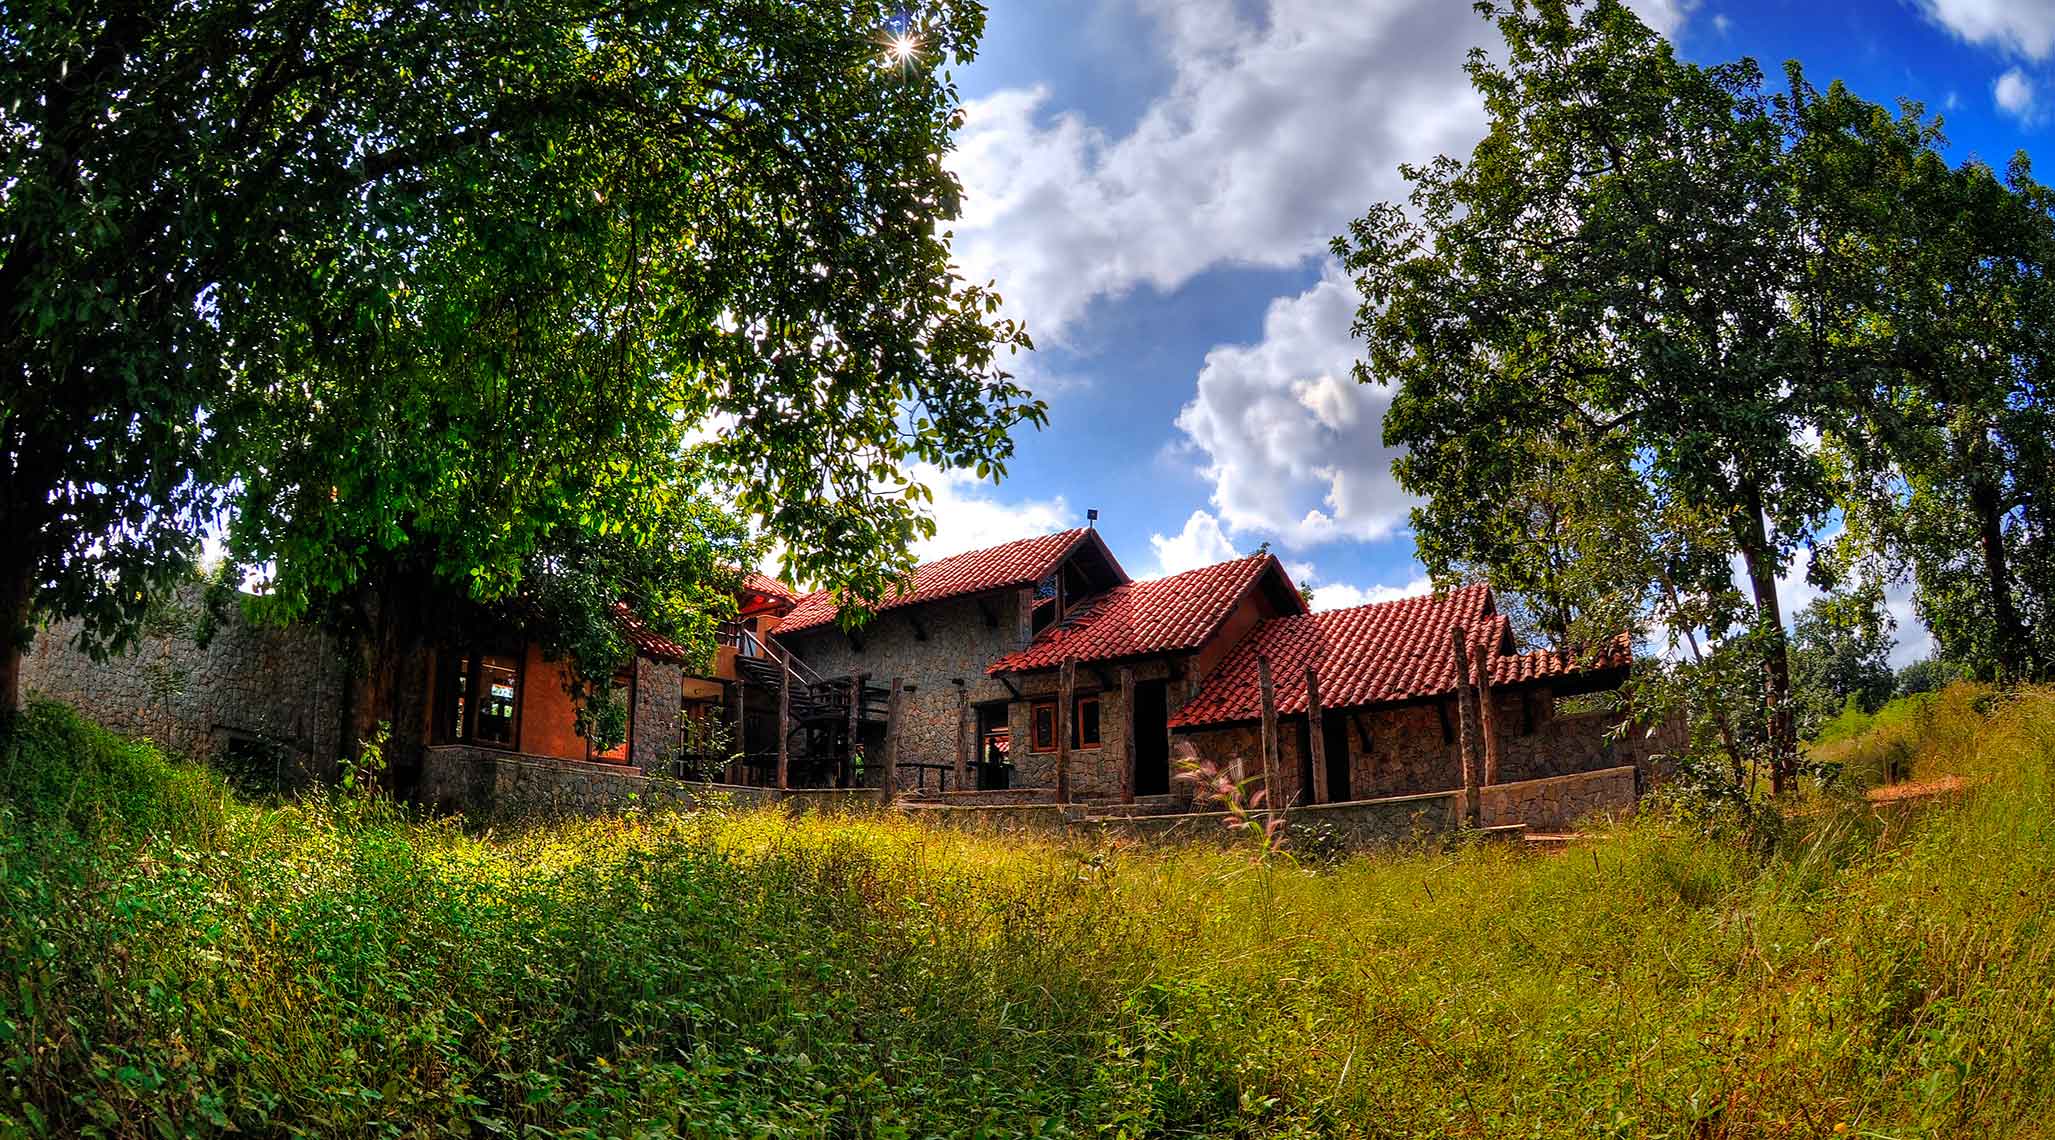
x=1334 y=740
x=1152 y=738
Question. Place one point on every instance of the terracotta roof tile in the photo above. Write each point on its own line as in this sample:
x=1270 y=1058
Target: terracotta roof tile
x=1163 y=615
x=1012 y=564
x=770 y=594
x=1375 y=654
x=647 y=641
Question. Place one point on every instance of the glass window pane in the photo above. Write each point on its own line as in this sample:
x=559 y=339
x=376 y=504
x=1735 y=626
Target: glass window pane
x=498 y=699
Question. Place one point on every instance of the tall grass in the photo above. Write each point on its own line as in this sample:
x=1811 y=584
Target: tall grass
x=176 y=961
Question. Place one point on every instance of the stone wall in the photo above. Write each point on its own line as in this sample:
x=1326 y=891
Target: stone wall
x=1558 y=802
x=1364 y=823
x=489 y=783
x=253 y=689
x=931 y=647
x=1412 y=749
x=658 y=689
x=1094 y=772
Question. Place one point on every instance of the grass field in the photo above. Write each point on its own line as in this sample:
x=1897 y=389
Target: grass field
x=174 y=961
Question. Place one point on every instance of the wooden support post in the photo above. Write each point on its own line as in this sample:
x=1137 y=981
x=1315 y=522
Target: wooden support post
x=1127 y=734
x=1066 y=690
x=962 y=735
x=742 y=727
x=855 y=729
x=889 y=785
x=1316 y=739
x=784 y=721
x=1487 y=719
x=1269 y=693
x=1466 y=728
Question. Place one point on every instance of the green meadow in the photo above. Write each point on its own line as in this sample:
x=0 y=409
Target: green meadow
x=179 y=961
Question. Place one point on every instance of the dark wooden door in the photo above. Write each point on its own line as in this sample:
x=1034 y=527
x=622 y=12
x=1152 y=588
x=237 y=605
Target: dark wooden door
x=1152 y=738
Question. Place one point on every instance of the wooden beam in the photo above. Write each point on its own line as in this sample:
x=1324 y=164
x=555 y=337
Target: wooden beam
x=1127 y=734
x=1066 y=690
x=1487 y=716
x=784 y=721
x=1269 y=695
x=1008 y=682
x=742 y=725
x=1466 y=747
x=962 y=735
x=1316 y=739
x=888 y=785
x=855 y=729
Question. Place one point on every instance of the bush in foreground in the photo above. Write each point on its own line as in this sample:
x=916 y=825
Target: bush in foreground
x=180 y=962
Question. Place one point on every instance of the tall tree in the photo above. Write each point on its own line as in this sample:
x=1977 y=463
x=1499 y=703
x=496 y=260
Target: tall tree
x=1945 y=438
x=1620 y=264
x=430 y=289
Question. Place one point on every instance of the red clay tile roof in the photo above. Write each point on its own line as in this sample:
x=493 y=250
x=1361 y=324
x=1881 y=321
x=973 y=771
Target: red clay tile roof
x=1013 y=564
x=1375 y=654
x=1164 y=615
x=1543 y=664
x=776 y=595
x=647 y=641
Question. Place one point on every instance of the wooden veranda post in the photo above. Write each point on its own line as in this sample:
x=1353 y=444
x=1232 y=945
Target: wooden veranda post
x=1127 y=734
x=855 y=728
x=1269 y=694
x=1316 y=740
x=1487 y=719
x=962 y=736
x=1066 y=689
x=1466 y=733
x=784 y=720
x=889 y=784
x=742 y=726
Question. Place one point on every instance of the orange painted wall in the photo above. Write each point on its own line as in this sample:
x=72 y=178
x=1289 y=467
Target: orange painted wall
x=549 y=721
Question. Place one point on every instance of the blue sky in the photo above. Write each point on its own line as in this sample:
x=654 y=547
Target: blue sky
x=1152 y=184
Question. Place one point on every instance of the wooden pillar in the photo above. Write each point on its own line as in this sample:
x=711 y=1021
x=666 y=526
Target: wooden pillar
x=1066 y=690
x=1466 y=731
x=889 y=785
x=962 y=736
x=784 y=721
x=1316 y=738
x=1487 y=718
x=1269 y=694
x=855 y=728
x=1127 y=734
x=742 y=728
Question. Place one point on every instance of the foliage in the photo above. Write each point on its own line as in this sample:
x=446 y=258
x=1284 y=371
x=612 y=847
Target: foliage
x=433 y=289
x=1841 y=657
x=1601 y=318
x=181 y=962
x=1928 y=675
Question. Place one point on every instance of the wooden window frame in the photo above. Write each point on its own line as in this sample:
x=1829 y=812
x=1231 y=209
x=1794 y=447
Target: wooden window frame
x=1035 y=709
x=469 y=661
x=1077 y=721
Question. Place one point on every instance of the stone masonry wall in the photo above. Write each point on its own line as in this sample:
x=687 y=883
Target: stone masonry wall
x=658 y=686
x=1410 y=753
x=264 y=686
x=959 y=644
x=1558 y=802
x=1094 y=772
x=488 y=782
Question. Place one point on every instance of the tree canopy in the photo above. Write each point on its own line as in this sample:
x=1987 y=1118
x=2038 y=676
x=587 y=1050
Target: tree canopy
x=430 y=297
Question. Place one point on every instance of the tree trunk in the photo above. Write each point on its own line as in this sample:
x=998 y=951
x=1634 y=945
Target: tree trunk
x=2010 y=637
x=391 y=687
x=1780 y=727
x=17 y=591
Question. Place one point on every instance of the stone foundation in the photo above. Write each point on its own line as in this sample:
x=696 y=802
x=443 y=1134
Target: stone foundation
x=487 y=783
x=1558 y=803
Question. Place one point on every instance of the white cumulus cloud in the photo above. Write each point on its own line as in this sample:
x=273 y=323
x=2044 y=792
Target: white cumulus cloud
x=2023 y=27
x=2014 y=94
x=1342 y=595
x=1292 y=444
x=1200 y=543
x=969 y=514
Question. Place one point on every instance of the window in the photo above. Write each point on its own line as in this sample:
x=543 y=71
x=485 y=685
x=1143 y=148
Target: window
x=1084 y=724
x=1042 y=726
x=479 y=700
x=1084 y=727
